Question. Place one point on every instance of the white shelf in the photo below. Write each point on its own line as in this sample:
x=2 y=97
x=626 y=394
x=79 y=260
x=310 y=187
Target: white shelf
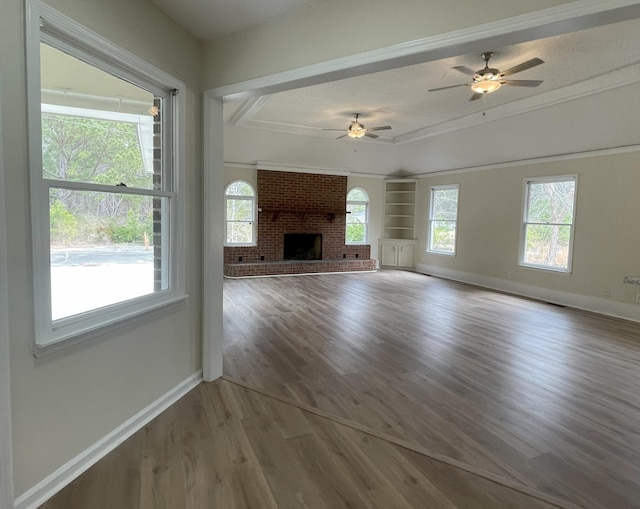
x=399 y=218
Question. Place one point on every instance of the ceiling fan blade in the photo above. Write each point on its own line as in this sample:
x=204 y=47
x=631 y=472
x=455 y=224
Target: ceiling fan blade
x=475 y=96
x=333 y=129
x=370 y=135
x=523 y=66
x=340 y=137
x=379 y=128
x=465 y=70
x=445 y=88
x=522 y=83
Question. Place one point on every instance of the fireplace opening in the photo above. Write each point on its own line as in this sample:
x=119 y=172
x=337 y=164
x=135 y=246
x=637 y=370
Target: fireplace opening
x=302 y=246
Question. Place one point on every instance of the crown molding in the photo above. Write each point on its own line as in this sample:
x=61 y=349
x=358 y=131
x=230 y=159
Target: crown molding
x=537 y=160
x=611 y=80
x=250 y=107
x=301 y=168
x=614 y=79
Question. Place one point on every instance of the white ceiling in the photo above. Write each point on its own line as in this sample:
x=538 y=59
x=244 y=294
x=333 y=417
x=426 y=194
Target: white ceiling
x=584 y=66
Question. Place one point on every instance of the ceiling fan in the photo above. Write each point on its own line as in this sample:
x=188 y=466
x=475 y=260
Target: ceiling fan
x=358 y=130
x=489 y=80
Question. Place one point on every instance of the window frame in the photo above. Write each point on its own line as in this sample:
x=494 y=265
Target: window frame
x=523 y=223
x=432 y=191
x=46 y=25
x=366 y=213
x=254 y=208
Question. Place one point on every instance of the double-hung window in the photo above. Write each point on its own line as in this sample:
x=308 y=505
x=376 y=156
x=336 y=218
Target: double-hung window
x=547 y=230
x=443 y=219
x=240 y=212
x=106 y=213
x=357 y=216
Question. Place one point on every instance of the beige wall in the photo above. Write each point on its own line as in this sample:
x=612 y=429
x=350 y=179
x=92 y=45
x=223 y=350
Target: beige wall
x=337 y=29
x=607 y=237
x=240 y=173
x=67 y=401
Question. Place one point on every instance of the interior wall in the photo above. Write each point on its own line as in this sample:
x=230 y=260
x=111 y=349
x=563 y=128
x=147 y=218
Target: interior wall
x=606 y=242
x=334 y=29
x=67 y=401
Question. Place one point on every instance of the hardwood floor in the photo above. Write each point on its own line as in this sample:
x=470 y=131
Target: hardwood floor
x=226 y=447
x=540 y=395
x=392 y=390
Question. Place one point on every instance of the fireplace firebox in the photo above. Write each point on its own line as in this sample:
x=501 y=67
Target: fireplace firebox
x=302 y=246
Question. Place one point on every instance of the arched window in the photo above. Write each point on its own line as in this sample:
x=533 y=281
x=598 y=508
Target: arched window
x=240 y=213
x=357 y=216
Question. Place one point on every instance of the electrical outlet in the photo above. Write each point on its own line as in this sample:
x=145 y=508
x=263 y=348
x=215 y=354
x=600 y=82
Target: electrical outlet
x=638 y=298
x=607 y=292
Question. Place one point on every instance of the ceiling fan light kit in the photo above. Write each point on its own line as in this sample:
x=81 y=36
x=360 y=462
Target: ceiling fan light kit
x=357 y=130
x=488 y=80
x=486 y=85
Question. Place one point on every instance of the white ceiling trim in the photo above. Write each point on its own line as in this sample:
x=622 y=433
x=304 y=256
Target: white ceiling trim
x=536 y=160
x=251 y=107
x=614 y=79
x=247 y=110
x=619 y=78
x=298 y=168
x=557 y=20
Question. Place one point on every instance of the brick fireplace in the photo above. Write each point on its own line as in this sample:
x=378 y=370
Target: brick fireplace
x=298 y=204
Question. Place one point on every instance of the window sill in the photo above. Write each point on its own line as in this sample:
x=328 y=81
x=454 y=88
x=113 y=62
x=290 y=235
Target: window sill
x=442 y=253
x=120 y=323
x=562 y=272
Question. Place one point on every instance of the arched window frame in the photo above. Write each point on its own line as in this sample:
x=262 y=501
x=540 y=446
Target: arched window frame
x=252 y=221
x=351 y=218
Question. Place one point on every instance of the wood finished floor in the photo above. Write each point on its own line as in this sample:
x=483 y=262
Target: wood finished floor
x=391 y=390
x=226 y=447
x=543 y=396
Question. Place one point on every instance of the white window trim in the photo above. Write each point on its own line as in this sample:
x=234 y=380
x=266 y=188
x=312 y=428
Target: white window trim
x=525 y=206
x=432 y=190
x=366 y=222
x=96 y=50
x=254 y=227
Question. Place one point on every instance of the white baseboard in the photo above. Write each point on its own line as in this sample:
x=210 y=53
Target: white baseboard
x=583 y=302
x=53 y=483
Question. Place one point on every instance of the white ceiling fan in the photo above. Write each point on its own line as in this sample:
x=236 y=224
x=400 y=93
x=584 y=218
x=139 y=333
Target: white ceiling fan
x=489 y=79
x=357 y=130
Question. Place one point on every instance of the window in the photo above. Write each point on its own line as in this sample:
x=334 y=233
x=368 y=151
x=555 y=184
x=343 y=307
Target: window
x=240 y=212
x=547 y=233
x=357 y=216
x=105 y=208
x=443 y=219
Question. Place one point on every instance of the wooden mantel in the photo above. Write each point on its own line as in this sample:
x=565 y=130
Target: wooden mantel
x=331 y=214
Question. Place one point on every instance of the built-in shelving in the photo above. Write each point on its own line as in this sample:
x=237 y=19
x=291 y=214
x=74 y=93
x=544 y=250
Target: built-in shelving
x=399 y=208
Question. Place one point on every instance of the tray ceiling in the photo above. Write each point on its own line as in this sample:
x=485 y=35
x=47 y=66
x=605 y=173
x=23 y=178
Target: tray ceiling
x=576 y=64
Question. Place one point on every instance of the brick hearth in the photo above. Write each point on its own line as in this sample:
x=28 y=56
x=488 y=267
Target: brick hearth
x=245 y=269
